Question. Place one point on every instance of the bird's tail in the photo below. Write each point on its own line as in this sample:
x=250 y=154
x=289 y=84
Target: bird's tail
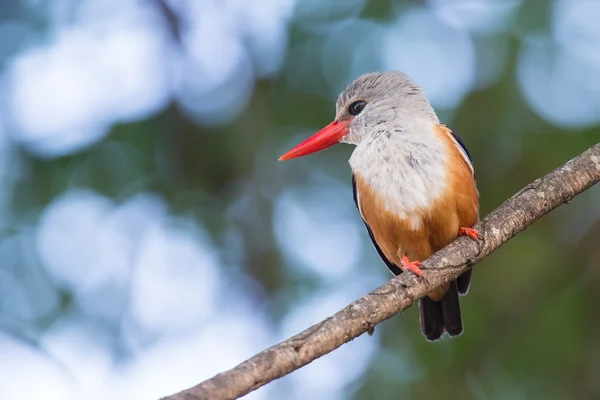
x=442 y=316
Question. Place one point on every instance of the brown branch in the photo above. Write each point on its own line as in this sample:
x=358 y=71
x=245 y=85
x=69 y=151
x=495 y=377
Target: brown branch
x=516 y=214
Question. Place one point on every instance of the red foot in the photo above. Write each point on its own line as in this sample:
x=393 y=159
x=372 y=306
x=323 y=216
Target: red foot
x=412 y=266
x=470 y=232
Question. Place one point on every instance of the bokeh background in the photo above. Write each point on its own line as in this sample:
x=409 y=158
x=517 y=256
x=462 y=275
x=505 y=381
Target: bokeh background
x=150 y=239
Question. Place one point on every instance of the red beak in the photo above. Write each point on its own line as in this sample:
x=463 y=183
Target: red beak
x=326 y=137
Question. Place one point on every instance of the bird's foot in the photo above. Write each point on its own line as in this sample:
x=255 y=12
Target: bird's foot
x=412 y=266
x=470 y=232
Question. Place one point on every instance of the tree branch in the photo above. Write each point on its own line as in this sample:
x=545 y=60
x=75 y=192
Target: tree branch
x=516 y=214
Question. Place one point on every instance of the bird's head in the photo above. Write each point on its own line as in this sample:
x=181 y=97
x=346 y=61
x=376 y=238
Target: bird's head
x=374 y=103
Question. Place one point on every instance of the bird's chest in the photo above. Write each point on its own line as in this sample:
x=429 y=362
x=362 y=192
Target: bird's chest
x=407 y=176
x=399 y=188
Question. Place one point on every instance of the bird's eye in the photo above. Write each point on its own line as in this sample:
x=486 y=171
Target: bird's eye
x=356 y=107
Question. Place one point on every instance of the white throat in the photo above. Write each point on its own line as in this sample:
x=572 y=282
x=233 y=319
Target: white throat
x=406 y=167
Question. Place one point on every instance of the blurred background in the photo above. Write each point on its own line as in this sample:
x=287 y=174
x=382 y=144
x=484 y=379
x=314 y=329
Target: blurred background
x=149 y=238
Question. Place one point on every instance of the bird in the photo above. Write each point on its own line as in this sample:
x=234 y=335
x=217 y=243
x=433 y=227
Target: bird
x=413 y=183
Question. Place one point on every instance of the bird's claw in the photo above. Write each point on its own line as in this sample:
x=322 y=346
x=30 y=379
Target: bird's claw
x=470 y=232
x=412 y=266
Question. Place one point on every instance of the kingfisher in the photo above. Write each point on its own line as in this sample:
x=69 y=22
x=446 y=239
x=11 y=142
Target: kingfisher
x=413 y=182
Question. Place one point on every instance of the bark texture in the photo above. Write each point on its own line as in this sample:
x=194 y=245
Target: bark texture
x=513 y=216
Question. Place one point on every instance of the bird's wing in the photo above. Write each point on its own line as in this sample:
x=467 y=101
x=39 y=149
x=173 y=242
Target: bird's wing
x=464 y=279
x=394 y=269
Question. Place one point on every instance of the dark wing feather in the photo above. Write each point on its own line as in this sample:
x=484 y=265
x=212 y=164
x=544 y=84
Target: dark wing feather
x=391 y=266
x=462 y=144
x=463 y=147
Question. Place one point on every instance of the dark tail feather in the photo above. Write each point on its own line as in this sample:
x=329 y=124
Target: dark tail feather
x=432 y=323
x=464 y=281
x=451 y=310
x=437 y=316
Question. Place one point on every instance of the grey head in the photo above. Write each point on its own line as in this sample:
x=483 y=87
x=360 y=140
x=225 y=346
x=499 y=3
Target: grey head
x=382 y=102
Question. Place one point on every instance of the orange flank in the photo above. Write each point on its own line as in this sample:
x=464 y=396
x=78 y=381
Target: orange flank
x=412 y=266
x=470 y=232
x=461 y=182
